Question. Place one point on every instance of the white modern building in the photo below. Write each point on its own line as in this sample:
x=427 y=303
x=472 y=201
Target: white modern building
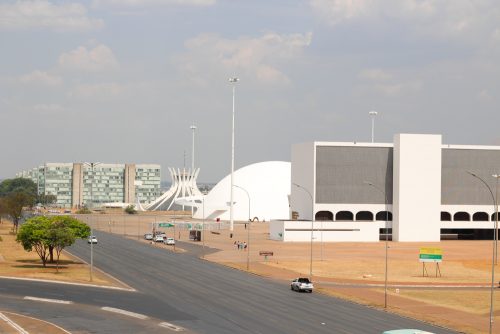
x=261 y=192
x=420 y=186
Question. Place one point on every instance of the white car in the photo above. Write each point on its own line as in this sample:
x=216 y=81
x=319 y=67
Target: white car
x=302 y=284
x=148 y=236
x=159 y=238
x=169 y=241
x=92 y=239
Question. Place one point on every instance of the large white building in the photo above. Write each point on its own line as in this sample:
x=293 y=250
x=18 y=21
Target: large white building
x=418 y=184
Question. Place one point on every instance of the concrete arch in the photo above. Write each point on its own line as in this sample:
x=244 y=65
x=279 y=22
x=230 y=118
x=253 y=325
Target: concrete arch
x=364 y=216
x=344 y=216
x=324 y=215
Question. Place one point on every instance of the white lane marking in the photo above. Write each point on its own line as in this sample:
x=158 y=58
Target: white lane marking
x=124 y=312
x=171 y=326
x=36 y=319
x=18 y=328
x=47 y=300
x=67 y=283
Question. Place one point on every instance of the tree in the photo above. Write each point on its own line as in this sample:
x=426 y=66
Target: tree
x=130 y=209
x=34 y=235
x=46 y=199
x=84 y=211
x=13 y=205
x=18 y=185
x=46 y=234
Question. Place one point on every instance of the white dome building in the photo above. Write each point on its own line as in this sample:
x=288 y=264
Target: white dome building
x=268 y=186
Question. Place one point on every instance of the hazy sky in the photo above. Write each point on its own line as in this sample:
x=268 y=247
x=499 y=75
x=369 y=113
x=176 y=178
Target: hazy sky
x=123 y=80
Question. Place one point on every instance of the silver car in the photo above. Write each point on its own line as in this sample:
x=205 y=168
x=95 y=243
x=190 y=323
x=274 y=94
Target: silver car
x=302 y=284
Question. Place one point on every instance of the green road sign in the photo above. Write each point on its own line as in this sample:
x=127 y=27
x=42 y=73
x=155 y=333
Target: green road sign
x=166 y=225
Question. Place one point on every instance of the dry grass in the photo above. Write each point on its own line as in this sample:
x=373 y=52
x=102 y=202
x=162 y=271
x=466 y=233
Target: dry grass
x=16 y=262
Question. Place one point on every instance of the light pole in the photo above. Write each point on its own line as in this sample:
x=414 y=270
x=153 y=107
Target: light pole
x=373 y=113
x=233 y=81
x=193 y=129
x=496 y=176
x=386 y=236
x=495 y=207
x=203 y=225
x=248 y=229
x=91 y=165
x=312 y=227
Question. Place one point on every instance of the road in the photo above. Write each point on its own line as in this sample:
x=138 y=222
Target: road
x=204 y=297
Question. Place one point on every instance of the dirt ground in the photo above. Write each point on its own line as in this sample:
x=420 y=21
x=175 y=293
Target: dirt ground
x=336 y=266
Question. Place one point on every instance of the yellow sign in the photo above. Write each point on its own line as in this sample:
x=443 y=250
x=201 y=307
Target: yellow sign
x=431 y=250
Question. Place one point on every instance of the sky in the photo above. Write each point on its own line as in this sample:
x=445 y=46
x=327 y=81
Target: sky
x=122 y=81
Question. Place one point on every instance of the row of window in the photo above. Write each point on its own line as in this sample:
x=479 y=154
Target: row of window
x=463 y=216
x=349 y=216
x=387 y=215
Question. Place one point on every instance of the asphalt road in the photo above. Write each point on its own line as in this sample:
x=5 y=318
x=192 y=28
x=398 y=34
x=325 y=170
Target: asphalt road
x=207 y=298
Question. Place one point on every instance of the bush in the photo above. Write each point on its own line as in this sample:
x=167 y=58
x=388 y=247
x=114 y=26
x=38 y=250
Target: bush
x=130 y=209
x=84 y=211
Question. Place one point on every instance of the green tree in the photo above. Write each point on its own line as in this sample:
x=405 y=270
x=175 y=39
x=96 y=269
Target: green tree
x=18 y=185
x=34 y=235
x=13 y=205
x=46 y=199
x=83 y=211
x=46 y=234
x=130 y=209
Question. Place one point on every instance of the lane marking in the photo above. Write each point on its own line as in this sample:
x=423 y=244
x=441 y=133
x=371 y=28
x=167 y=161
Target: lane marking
x=47 y=300
x=124 y=312
x=171 y=326
x=18 y=328
x=36 y=319
x=68 y=283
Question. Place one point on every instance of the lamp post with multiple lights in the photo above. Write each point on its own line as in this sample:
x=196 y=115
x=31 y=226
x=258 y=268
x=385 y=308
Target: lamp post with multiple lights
x=91 y=165
x=249 y=225
x=495 y=206
x=312 y=226
x=386 y=236
x=233 y=81
x=373 y=113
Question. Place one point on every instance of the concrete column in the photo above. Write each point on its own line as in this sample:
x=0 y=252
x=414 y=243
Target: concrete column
x=129 y=183
x=77 y=186
x=417 y=187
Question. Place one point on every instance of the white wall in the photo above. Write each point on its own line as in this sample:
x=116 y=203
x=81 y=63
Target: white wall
x=324 y=231
x=417 y=187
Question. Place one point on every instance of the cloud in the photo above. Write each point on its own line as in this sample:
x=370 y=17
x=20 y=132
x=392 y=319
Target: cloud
x=258 y=58
x=388 y=84
x=42 y=78
x=102 y=91
x=375 y=74
x=146 y=3
x=98 y=59
x=430 y=17
x=44 y=14
x=49 y=109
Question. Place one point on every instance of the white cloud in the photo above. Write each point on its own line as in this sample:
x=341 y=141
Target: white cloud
x=44 y=14
x=388 y=83
x=258 y=58
x=145 y=3
x=397 y=89
x=375 y=74
x=105 y=91
x=42 y=78
x=49 y=109
x=431 y=17
x=100 y=58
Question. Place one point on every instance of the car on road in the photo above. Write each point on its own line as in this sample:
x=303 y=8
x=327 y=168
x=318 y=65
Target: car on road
x=406 y=331
x=302 y=284
x=148 y=236
x=169 y=241
x=159 y=238
x=92 y=239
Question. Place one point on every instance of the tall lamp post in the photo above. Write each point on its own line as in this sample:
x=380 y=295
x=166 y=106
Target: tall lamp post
x=372 y=114
x=386 y=236
x=496 y=176
x=91 y=165
x=312 y=226
x=249 y=225
x=233 y=81
x=495 y=206
x=193 y=129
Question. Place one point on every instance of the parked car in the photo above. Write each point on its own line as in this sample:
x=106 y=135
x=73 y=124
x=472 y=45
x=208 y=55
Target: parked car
x=169 y=241
x=161 y=234
x=92 y=239
x=148 y=236
x=302 y=284
x=159 y=238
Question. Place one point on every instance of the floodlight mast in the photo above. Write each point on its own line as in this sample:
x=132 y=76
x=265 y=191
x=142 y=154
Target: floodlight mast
x=233 y=81
x=373 y=113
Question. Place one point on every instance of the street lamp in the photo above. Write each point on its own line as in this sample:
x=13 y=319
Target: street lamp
x=249 y=225
x=496 y=176
x=233 y=81
x=91 y=165
x=386 y=235
x=373 y=113
x=495 y=207
x=312 y=227
x=193 y=129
